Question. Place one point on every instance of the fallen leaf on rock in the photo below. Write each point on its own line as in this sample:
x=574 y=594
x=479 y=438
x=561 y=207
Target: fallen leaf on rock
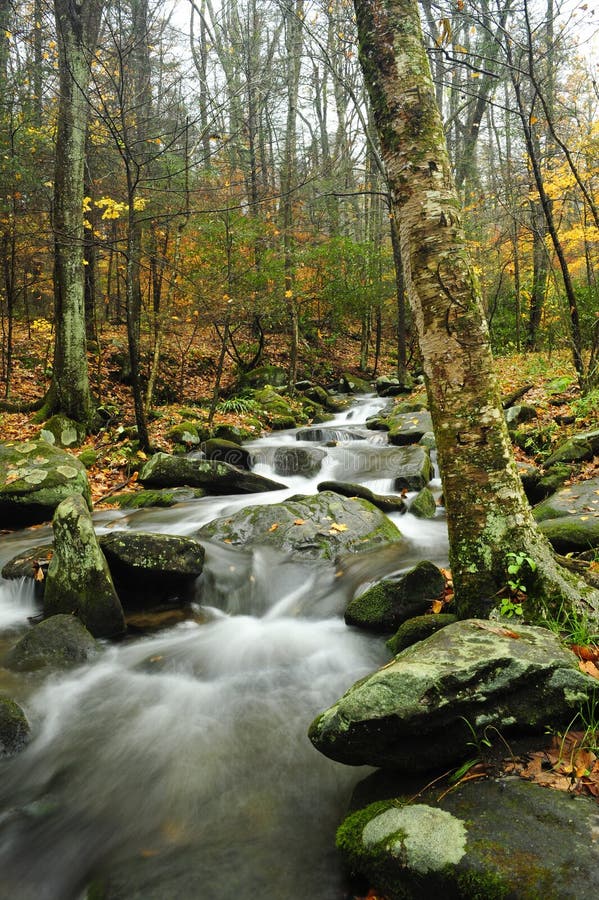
x=274 y=526
x=299 y=522
x=338 y=527
x=437 y=606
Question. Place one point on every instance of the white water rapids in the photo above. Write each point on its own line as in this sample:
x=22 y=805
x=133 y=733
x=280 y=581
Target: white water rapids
x=177 y=766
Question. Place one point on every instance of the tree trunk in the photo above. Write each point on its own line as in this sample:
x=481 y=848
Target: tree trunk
x=487 y=512
x=77 y=30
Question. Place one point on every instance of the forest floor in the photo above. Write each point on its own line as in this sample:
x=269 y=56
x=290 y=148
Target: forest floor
x=187 y=379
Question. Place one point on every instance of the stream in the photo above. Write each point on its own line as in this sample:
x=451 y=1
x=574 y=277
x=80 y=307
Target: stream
x=177 y=765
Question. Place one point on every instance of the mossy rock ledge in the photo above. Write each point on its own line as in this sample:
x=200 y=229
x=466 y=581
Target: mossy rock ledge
x=495 y=839
x=34 y=478
x=164 y=470
x=316 y=527
x=78 y=579
x=424 y=709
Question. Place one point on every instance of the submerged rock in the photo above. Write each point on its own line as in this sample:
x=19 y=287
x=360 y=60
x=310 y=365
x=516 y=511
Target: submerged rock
x=426 y=707
x=34 y=478
x=388 y=503
x=424 y=505
x=160 y=497
x=317 y=527
x=59 y=641
x=78 y=579
x=384 y=606
x=491 y=839
x=14 y=727
x=163 y=470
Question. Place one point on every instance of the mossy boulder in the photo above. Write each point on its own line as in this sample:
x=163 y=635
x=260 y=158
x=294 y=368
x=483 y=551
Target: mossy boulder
x=187 y=435
x=572 y=534
x=149 y=569
x=493 y=839
x=278 y=409
x=424 y=505
x=387 y=503
x=573 y=500
x=63 y=432
x=384 y=606
x=354 y=385
x=417 y=629
x=580 y=447
x=263 y=376
x=392 y=385
x=518 y=415
x=34 y=478
x=317 y=527
x=78 y=579
x=227 y=451
x=162 y=498
x=14 y=727
x=164 y=470
x=88 y=457
x=424 y=709
x=61 y=641
x=409 y=428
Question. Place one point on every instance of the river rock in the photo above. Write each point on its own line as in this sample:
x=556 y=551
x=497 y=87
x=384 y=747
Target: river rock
x=28 y=563
x=164 y=470
x=387 y=503
x=409 y=467
x=426 y=707
x=384 y=606
x=417 y=629
x=279 y=412
x=354 y=385
x=574 y=500
x=572 y=534
x=391 y=385
x=491 y=839
x=34 y=478
x=317 y=527
x=227 y=451
x=578 y=448
x=14 y=727
x=298 y=460
x=78 y=579
x=424 y=505
x=409 y=428
x=149 y=569
x=60 y=641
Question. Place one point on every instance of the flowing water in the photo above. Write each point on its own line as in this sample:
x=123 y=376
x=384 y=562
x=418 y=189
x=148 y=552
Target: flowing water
x=177 y=766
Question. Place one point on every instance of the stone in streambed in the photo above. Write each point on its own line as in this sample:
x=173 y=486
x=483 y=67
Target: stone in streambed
x=60 y=641
x=78 y=579
x=425 y=708
x=315 y=527
x=14 y=727
x=387 y=503
x=384 y=606
x=164 y=470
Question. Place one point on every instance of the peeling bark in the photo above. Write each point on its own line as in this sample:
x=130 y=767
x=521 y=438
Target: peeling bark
x=487 y=512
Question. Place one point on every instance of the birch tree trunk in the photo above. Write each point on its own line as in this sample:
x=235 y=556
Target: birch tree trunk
x=77 y=27
x=487 y=512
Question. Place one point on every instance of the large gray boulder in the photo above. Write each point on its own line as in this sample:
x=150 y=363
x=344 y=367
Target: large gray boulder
x=426 y=707
x=164 y=470
x=34 y=478
x=78 y=579
x=60 y=641
x=385 y=605
x=492 y=839
x=14 y=727
x=318 y=527
x=148 y=569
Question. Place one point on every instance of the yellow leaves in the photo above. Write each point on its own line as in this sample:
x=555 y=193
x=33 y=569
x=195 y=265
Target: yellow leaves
x=289 y=294
x=445 y=32
x=299 y=521
x=112 y=208
x=273 y=527
x=140 y=203
x=337 y=528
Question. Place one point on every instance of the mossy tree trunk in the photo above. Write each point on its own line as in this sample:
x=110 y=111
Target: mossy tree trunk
x=77 y=27
x=487 y=512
